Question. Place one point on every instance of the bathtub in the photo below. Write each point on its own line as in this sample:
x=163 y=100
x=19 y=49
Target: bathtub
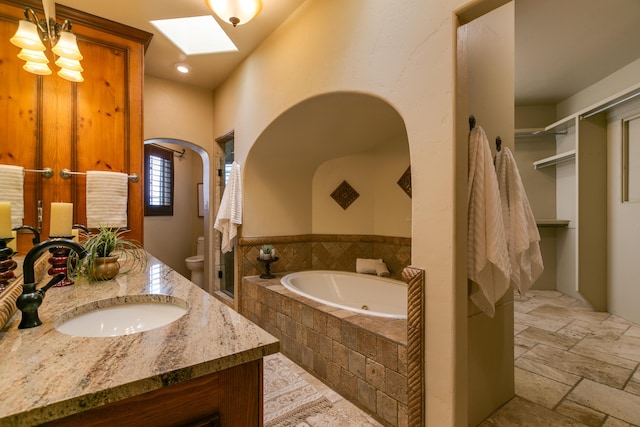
x=360 y=293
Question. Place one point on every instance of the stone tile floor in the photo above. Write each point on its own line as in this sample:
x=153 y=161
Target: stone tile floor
x=573 y=367
x=342 y=412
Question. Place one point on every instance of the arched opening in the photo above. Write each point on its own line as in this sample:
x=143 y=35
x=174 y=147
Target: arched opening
x=303 y=155
x=173 y=239
x=327 y=183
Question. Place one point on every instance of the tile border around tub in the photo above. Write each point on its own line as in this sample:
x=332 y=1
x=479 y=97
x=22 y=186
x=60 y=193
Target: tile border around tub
x=415 y=278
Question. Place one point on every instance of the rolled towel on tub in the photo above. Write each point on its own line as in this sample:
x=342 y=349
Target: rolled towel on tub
x=367 y=265
x=382 y=270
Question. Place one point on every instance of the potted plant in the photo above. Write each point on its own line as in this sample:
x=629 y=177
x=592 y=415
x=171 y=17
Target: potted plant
x=104 y=249
x=265 y=252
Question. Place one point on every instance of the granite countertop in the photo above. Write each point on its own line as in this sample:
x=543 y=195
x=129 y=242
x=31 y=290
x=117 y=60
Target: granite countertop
x=46 y=375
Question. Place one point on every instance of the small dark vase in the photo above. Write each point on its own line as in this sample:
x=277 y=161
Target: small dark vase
x=105 y=268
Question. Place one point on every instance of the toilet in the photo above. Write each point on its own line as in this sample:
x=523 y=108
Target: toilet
x=196 y=263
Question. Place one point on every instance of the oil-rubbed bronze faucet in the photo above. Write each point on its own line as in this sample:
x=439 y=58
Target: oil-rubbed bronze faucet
x=31 y=298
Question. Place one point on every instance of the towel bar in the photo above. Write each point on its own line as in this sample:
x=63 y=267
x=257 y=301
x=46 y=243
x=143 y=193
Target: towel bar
x=46 y=172
x=66 y=173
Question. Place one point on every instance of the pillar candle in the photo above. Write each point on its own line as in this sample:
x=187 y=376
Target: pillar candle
x=61 y=219
x=5 y=220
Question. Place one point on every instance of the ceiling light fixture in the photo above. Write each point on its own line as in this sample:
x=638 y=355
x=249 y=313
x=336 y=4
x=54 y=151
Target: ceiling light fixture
x=235 y=12
x=31 y=34
x=183 y=68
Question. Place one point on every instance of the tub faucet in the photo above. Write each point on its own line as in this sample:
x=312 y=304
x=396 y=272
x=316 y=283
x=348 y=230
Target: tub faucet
x=31 y=298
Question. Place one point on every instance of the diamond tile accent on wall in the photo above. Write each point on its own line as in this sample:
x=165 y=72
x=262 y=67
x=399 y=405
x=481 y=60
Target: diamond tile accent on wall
x=405 y=181
x=344 y=195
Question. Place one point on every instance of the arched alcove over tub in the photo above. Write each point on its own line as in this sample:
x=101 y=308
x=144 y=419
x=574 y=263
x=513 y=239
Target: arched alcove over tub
x=325 y=183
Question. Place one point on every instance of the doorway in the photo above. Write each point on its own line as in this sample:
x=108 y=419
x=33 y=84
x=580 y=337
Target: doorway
x=173 y=238
x=227 y=259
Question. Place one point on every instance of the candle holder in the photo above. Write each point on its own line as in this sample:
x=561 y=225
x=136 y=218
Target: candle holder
x=59 y=262
x=7 y=264
x=267 y=263
x=36 y=233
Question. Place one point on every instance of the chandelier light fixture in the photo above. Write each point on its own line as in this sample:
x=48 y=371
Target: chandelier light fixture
x=33 y=32
x=235 y=12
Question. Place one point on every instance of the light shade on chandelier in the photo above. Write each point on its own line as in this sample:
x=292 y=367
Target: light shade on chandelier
x=30 y=37
x=235 y=12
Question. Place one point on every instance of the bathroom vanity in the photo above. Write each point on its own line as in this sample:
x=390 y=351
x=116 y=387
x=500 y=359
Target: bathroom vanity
x=205 y=368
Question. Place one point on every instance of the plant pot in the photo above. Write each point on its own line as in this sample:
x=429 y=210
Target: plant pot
x=105 y=268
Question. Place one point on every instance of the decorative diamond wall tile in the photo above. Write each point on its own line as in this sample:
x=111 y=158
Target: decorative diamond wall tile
x=405 y=181
x=344 y=195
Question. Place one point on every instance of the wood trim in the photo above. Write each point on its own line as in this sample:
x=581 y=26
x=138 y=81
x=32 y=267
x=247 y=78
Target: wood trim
x=223 y=139
x=93 y=21
x=415 y=345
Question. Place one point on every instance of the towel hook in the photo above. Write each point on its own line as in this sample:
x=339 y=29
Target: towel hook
x=498 y=143
x=472 y=122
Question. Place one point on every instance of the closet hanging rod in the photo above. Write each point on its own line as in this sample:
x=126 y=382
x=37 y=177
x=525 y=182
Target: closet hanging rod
x=541 y=132
x=609 y=106
x=46 y=172
x=66 y=173
x=178 y=154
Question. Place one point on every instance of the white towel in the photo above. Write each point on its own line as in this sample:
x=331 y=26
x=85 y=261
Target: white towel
x=523 y=238
x=12 y=190
x=367 y=265
x=487 y=256
x=107 y=194
x=382 y=270
x=230 y=212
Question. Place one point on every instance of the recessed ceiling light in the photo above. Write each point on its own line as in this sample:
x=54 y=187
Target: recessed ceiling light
x=183 y=68
x=197 y=35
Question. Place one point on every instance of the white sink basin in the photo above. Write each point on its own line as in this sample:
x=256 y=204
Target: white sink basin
x=121 y=316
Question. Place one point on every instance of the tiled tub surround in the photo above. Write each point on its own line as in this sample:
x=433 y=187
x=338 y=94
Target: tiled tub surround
x=45 y=375
x=325 y=252
x=363 y=358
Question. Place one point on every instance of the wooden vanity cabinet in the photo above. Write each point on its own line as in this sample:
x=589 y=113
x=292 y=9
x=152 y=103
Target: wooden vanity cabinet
x=94 y=125
x=232 y=397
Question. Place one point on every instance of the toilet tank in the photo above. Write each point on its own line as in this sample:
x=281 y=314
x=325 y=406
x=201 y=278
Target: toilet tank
x=200 y=246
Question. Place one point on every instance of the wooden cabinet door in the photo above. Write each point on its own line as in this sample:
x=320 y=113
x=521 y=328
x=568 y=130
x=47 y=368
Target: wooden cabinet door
x=93 y=125
x=19 y=118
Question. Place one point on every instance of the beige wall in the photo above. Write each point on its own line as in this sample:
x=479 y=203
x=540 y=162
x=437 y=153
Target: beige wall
x=404 y=55
x=382 y=209
x=488 y=44
x=615 y=83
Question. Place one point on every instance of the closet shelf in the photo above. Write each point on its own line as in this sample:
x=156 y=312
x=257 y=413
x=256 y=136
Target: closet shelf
x=554 y=160
x=552 y=223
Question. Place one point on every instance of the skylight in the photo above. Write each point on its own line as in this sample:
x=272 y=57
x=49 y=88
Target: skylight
x=198 y=35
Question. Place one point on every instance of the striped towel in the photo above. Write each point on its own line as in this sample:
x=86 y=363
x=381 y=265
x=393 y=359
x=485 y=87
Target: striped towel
x=107 y=194
x=523 y=237
x=487 y=256
x=12 y=190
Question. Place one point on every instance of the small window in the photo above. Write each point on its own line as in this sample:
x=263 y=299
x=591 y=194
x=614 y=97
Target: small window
x=158 y=190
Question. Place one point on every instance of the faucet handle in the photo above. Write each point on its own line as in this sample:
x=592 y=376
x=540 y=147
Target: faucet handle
x=30 y=300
